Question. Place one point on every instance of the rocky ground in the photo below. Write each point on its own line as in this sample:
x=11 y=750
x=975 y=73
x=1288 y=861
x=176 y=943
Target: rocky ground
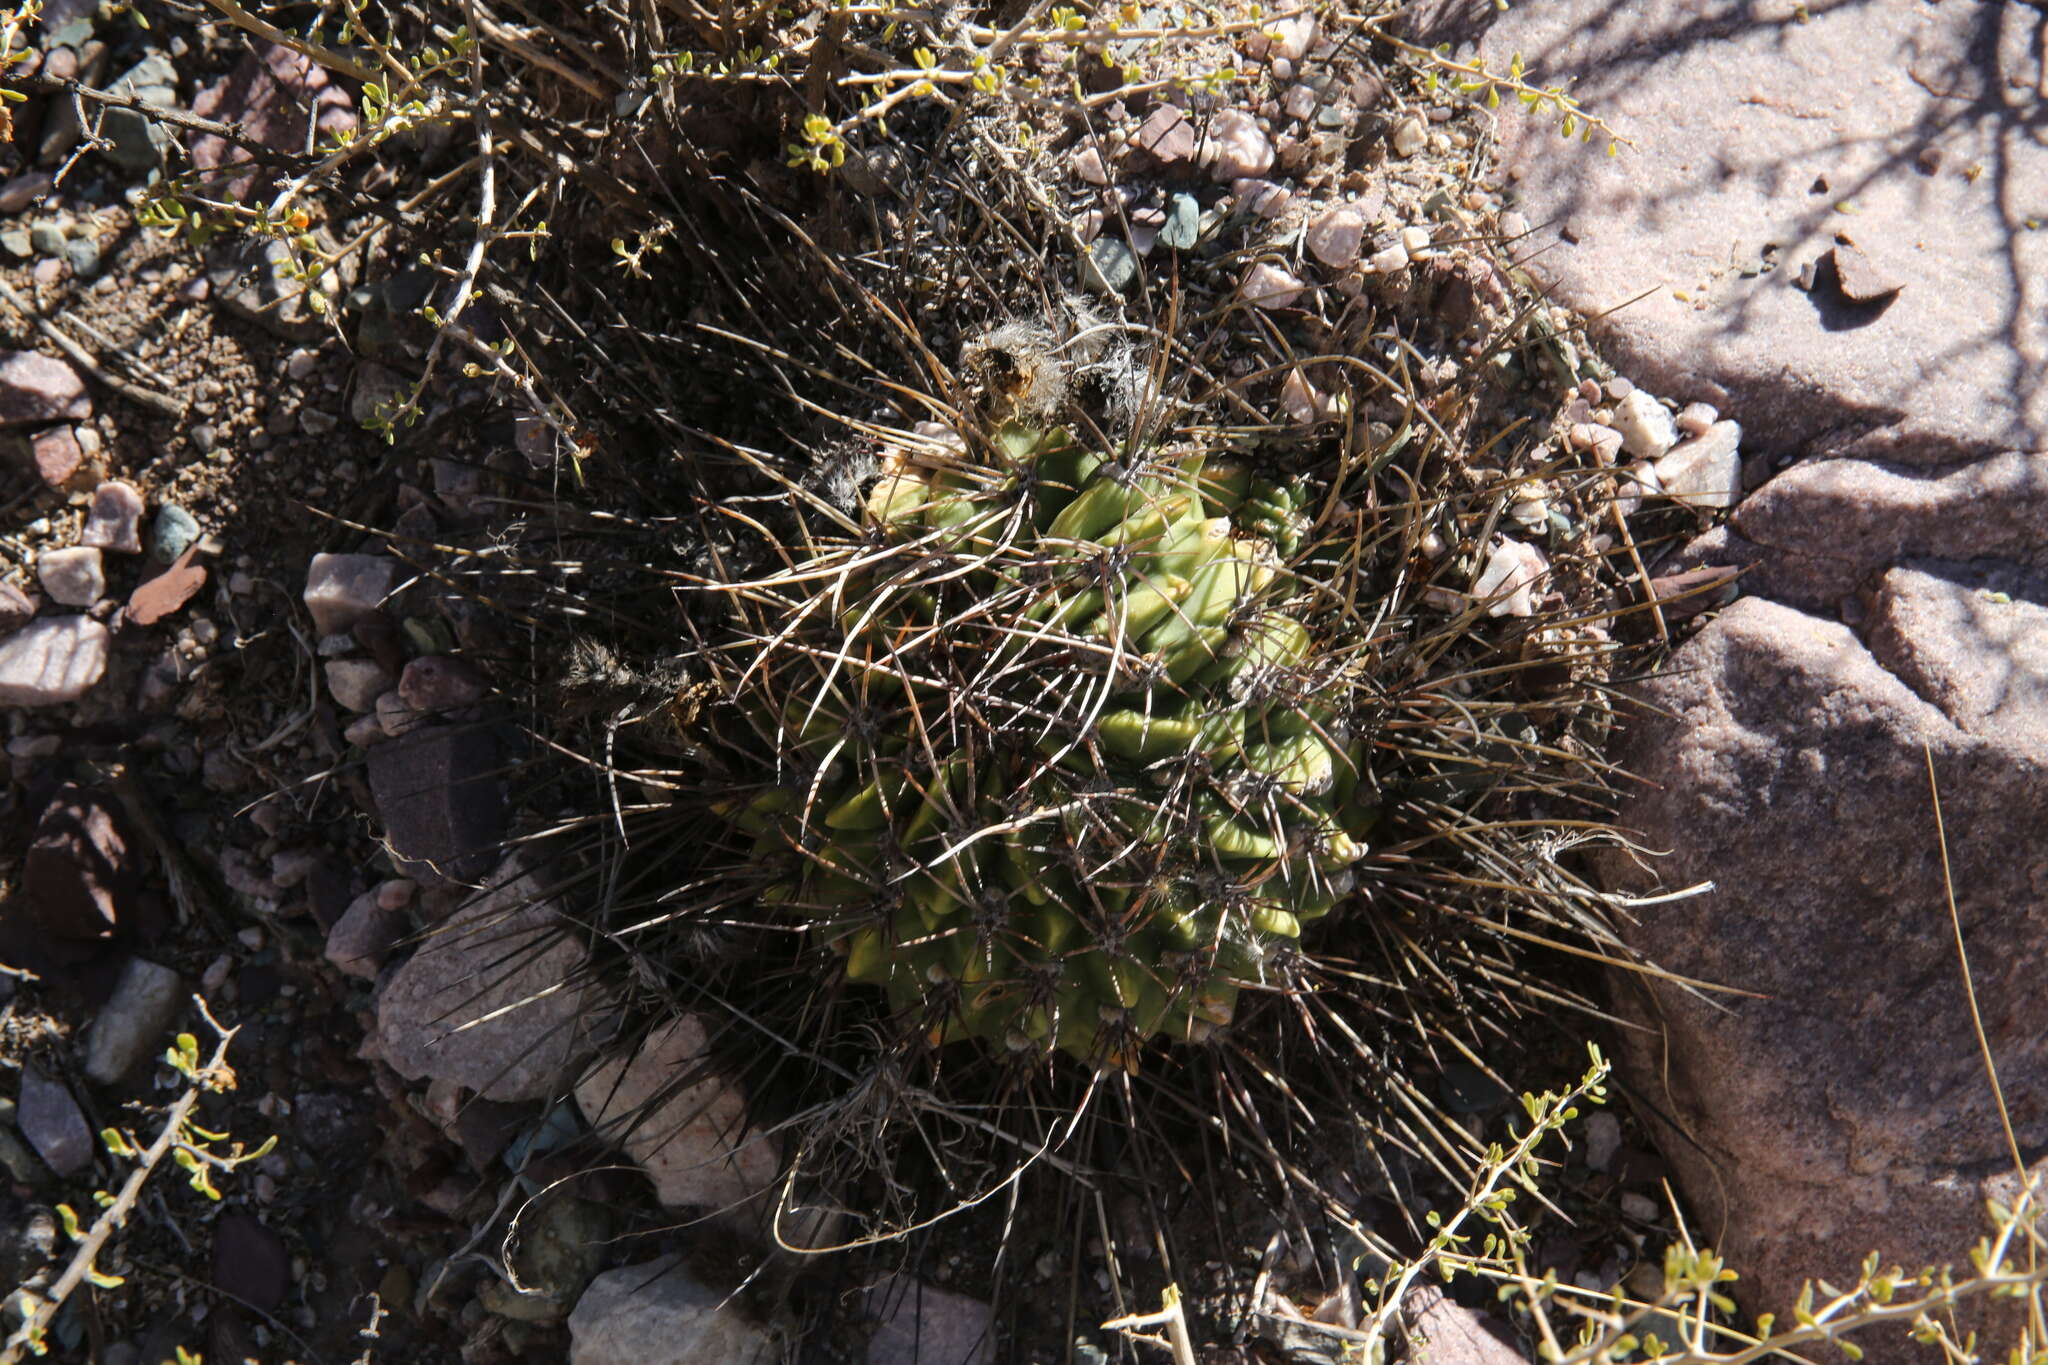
x=246 y=757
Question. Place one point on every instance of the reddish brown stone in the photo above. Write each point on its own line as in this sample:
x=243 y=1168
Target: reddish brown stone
x=268 y=95
x=438 y=794
x=168 y=591
x=441 y=682
x=1166 y=136
x=79 y=883
x=61 y=460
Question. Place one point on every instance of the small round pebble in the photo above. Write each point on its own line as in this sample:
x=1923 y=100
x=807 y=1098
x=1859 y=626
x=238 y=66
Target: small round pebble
x=364 y=731
x=172 y=532
x=355 y=684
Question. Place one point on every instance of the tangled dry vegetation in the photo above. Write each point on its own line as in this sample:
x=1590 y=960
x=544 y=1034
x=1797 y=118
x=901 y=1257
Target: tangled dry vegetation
x=1185 y=702
x=843 y=655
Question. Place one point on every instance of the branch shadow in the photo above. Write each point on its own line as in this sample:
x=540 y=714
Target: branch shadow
x=1970 y=69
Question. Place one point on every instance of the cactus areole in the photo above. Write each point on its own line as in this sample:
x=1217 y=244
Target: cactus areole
x=1063 y=763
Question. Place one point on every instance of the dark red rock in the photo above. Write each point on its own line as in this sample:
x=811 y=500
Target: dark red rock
x=250 y=1262
x=168 y=591
x=378 y=634
x=440 y=802
x=485 y=1128
x=496 y=999
x=268 y=93
x=327 y=892
x=79 y=882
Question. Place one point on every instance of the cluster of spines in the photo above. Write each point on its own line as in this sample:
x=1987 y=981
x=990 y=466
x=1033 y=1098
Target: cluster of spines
x=1045 y=793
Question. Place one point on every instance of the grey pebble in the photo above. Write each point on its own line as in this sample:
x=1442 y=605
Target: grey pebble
x=52 y=1122
x=16 y=242
x=84 y=255
x=1109 y=266
x=171 y=533
x=1183 y=223
x=47 y=237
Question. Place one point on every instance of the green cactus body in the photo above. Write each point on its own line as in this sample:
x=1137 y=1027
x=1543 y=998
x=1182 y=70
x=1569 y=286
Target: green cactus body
x=1060 y=768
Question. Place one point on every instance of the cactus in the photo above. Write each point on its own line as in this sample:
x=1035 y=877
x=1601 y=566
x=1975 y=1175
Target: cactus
x=1061 y=761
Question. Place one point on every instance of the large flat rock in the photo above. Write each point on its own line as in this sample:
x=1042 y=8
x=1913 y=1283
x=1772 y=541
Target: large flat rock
x=1842 y=1107
x=1823 y=230
x=1913 y=129
x=494 y=1000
